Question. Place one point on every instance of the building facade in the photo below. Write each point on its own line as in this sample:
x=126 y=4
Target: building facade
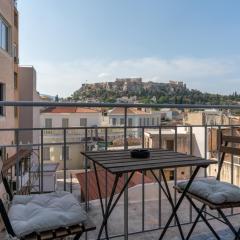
x=29 y=117
x=136 y=117
x=60 y=117
x=9 y=72
x=179 y=143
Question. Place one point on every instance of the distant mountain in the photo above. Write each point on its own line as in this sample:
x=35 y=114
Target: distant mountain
x=149 y=92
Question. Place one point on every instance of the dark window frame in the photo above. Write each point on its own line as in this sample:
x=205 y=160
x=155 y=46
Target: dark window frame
x=2 y=97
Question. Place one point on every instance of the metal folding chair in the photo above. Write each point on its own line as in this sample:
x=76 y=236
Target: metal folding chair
x=75 y=230
x=223 y=149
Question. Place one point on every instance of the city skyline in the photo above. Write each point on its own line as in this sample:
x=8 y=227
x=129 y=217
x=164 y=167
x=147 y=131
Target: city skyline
x=194 y=42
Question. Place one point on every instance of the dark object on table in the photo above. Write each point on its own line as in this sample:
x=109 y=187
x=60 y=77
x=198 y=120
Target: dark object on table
x=140 y=153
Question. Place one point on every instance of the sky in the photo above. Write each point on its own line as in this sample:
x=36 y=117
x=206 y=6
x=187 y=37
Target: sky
x=71 y=42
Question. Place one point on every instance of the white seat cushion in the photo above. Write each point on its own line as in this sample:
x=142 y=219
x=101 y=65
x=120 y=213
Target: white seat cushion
x=42 y=212
x=213 y=190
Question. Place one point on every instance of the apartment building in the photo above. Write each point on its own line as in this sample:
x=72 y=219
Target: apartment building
x=9 y=72
x=67 y=117
x=179 y=142
x=136 y=117
x=29 y=117
x=210 y=117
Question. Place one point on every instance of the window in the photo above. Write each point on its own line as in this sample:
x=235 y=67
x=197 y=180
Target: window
x=48 y=123
x=153 y=121
x=114 y=121
x=15 y=53
x=46 y=153
x=4 y=35
x=148 y=121
x=15 y=81
x=130 y=122
x=15 y=112
x=65 y=122
x=2 y=153
x=15 y=19
x=2 y=97
x=67 y=153
x=158 y=121
x=83 y=122
x=140 y=122
x=121 y=121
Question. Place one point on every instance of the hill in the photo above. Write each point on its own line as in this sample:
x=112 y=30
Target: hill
x=149 y=92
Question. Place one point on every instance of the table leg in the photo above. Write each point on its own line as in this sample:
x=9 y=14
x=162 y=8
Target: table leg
x=179 y=202
x=100 y=195
x=106 y=213
x=169 y=197
x=111 y=205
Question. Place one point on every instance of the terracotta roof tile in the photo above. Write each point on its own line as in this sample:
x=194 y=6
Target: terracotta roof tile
x=68 y=110
x=130 y=111
x=92 y=184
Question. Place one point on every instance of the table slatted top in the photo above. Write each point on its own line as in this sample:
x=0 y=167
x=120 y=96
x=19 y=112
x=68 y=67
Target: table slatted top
x=118 y=162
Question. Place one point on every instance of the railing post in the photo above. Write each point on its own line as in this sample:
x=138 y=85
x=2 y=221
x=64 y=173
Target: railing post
x=86 y=170
x=143 y=139
x=191 y=169
x=71 y=189
x=232 y=165
x=64 y=159
x=106 y=173
x=160 y=138
x=18 y=161
x=175 y=169
x=125 y=129
x=125 y=179
x=41 y=163
x=205 y=146
x=143 y=186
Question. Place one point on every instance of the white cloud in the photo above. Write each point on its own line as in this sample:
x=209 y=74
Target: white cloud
x=212 y=75
x=104 y=75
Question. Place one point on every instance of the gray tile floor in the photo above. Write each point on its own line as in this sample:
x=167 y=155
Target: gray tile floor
x=116 y=221
x=201 y=232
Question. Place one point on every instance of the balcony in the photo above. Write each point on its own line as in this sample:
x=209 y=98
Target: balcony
x=143 y=209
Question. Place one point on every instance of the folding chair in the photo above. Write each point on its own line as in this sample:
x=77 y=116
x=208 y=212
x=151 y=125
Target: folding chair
x=47 y=209
x=215 y=194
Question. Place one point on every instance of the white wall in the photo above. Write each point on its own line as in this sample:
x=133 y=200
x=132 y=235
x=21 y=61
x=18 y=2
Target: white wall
x=199 y=141
x=73 y=119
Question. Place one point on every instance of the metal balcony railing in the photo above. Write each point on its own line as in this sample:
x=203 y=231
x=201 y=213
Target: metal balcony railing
x=137 y=202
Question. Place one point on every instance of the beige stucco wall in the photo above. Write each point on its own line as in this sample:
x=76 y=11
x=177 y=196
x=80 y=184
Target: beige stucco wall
x=29 y=117
x=75 y=161
x=7 y=68
x=56 y=136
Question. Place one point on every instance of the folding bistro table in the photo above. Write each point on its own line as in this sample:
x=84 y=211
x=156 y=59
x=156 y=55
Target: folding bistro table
x=120 y=162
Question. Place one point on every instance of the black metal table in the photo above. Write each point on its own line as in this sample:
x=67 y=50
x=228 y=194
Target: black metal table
x=120 y=162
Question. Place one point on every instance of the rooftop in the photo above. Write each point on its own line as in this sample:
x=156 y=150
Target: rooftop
x=69 y=110
x=92 y=184
x=130 y=111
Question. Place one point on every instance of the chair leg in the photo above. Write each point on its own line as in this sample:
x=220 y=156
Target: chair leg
x=238 y=234
x=77 y=237
x=195 y=223
x=228 y=223
x=199 y=211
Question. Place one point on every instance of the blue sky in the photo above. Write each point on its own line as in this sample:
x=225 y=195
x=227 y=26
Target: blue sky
x=73 y=41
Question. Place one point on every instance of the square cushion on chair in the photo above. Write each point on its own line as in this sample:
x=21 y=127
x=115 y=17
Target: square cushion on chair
x=42 y=212
x=214 y=191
